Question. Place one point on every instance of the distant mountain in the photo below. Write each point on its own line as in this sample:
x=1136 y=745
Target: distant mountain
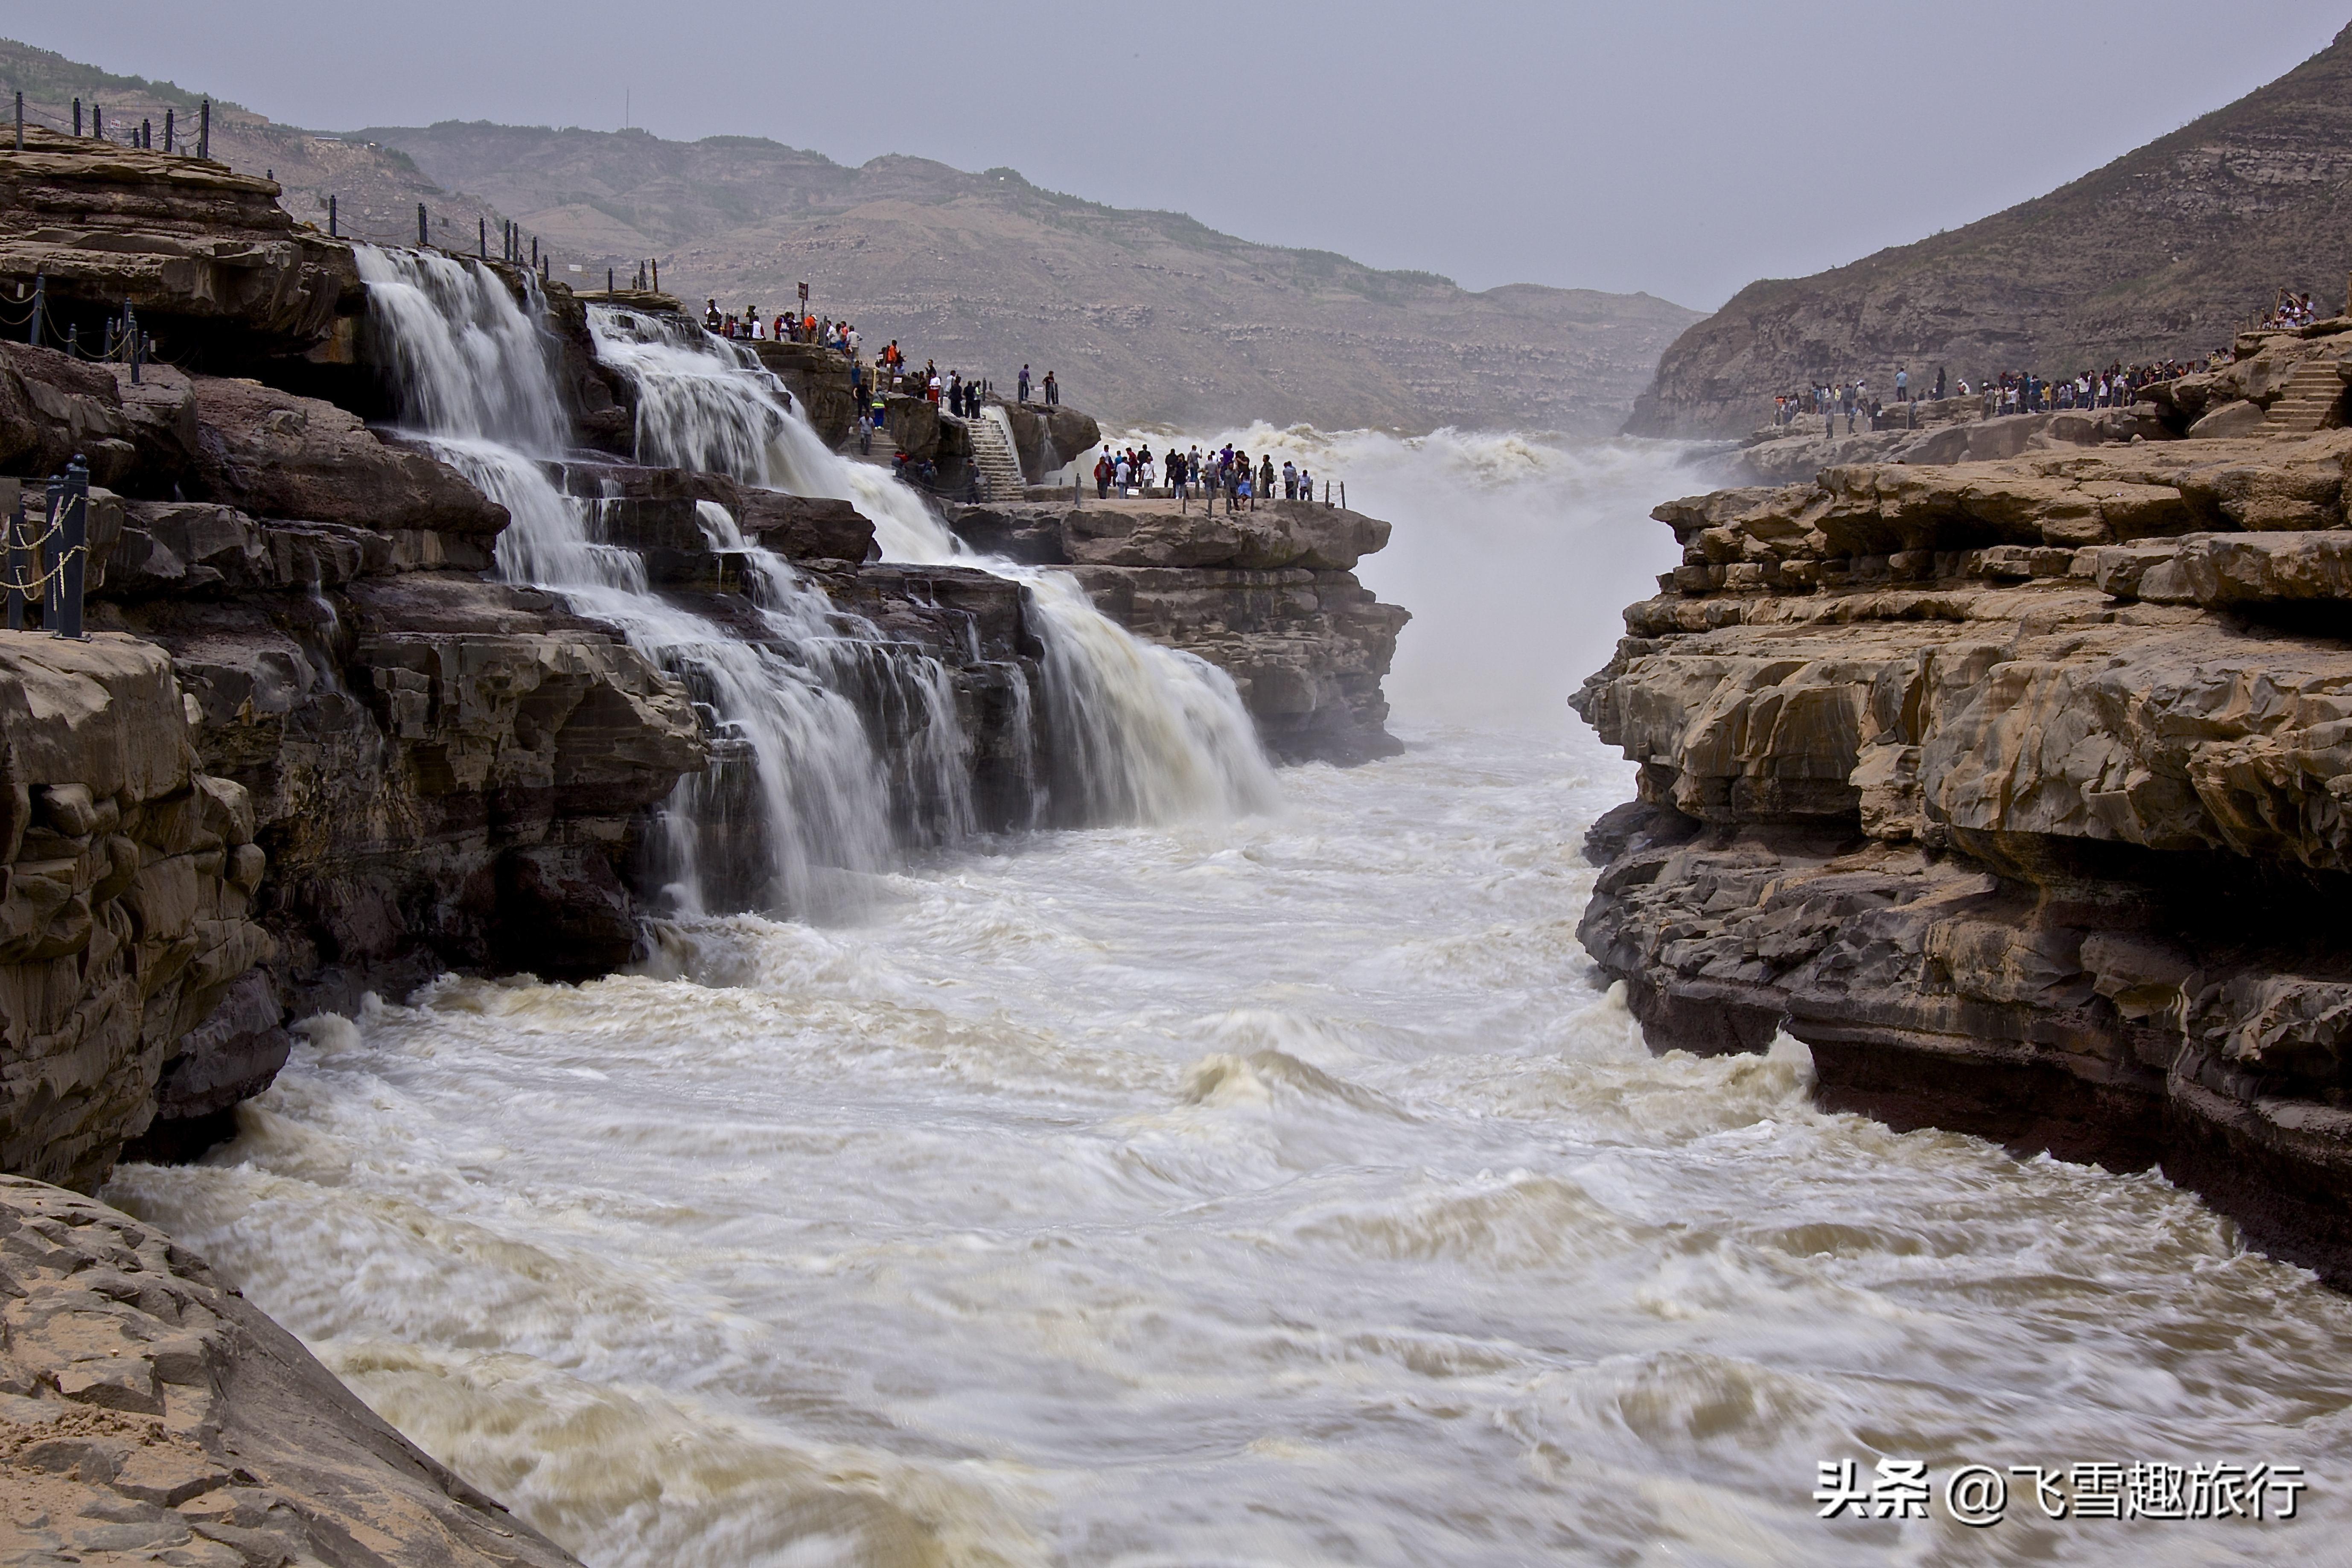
x=2165 y=251
x=1142 y=315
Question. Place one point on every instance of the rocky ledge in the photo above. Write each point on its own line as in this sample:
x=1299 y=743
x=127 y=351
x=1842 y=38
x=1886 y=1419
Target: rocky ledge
x=148 y=1414
x=1269 y=596
x=2019 y=792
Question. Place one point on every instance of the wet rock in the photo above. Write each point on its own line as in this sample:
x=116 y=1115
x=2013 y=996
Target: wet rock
x=1267 y=596
x=273 y=454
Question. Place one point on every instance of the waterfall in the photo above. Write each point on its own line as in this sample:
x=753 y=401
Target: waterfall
x=795 y=788
x=1141 y=733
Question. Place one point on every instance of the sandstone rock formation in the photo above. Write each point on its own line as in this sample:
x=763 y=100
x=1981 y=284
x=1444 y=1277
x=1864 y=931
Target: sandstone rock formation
x=149 y=1414
x=206 y=255
x=2018 y=791
x=126 y=921
x=2165 y=251
x=1269 y=596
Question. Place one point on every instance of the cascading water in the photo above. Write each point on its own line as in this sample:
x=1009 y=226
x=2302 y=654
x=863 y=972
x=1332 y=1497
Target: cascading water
x=793 y=778
x=1141 y=733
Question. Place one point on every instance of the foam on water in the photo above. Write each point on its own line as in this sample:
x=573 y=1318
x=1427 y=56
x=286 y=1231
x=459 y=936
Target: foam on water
x=1279 y=1191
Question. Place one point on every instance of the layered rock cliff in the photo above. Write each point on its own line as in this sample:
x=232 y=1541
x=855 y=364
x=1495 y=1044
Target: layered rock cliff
x=2017 y=790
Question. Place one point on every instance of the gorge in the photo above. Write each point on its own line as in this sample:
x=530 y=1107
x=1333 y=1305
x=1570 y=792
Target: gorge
x=590 y=978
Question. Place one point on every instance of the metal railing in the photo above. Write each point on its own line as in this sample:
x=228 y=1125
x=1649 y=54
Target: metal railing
x=48 y=565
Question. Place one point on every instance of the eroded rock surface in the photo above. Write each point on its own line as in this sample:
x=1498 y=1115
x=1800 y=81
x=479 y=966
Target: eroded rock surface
x=125 y=907
x=149 y=1414
x=2018 y=791
x=204 y=254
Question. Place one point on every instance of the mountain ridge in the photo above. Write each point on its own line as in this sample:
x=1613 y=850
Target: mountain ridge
x=2161 y=252
x=985 y=271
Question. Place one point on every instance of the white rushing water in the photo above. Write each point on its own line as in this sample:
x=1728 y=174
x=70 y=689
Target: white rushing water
x=1279 y=1191
x=797 y=781
x=1147 y=733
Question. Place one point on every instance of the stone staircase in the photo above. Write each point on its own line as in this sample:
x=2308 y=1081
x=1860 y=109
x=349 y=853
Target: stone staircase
x=993 y=455
x=2305 y=401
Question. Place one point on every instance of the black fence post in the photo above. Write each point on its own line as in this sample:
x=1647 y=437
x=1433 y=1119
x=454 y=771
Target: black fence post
x=656 y=274
x=422 y=241
x=138 y=340
x=71 y=553
x=167 y=130
x=15 y=549
x=484 y=225
x=96 y=122
x=608 y=280
x=77 y=117
x=205 y=129
x=330 y=218
x=40 y=305
x=20 y=122
x=146 y=135
x=46 y=561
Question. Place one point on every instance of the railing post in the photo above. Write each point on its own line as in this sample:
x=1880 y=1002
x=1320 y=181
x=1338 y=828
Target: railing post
x=421 y=238
x=20 y=122
x=72 y=551
x=204 y=130
x=330 y=218
x=483 y=224
x=97 y=120
x=40 y=305
x=45 y=560
x=138 y=342
x=16 y=556
x=167 y=130
x=77 y=117
x=146 y=136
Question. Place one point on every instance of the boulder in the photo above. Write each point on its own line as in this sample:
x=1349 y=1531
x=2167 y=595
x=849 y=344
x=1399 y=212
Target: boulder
x=2240 y=418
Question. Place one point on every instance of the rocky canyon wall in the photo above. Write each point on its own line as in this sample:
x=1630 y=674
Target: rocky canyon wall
x=2018 y=790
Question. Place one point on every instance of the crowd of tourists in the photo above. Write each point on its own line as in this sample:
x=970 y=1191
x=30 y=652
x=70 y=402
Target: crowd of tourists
x=2289 y=311
x=1187 y=475
x=751 y=327
x=2117 y=385
x=1131 y=470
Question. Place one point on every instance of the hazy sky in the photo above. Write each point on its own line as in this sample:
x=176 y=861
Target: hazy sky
x=1679 y=148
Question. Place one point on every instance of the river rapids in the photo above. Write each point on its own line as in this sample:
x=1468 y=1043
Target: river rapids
x=1285 y=1188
